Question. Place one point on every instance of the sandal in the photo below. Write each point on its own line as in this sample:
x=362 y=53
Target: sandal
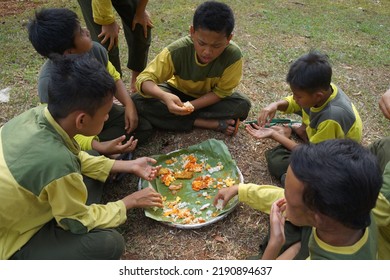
x=223 y=125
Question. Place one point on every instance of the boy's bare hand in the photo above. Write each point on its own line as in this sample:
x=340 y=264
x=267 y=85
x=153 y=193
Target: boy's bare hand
x=277 y=220
x=131 y=118
x=175 y=105
x=384 y=104
x=259 y=132
x=144 y=198
x=225 y=194
x=115 y=146
x=144 y=20
x=142 y=167
x=110 y=32
x=267 y=114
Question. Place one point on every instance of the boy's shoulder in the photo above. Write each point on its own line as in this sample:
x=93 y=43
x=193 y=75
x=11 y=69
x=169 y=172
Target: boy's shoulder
x=26 y=150
x=99 y=52
x=186 y=42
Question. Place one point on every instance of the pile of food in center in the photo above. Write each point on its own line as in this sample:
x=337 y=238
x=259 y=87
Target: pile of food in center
x=189 y=179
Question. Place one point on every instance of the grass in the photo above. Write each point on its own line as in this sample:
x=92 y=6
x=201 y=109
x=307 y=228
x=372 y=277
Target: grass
x=271 y=33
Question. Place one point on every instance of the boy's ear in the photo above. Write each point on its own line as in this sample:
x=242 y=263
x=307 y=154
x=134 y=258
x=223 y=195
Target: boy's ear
x=192 y=30
x=319 y=96
x=230 y=37
x=80 y=120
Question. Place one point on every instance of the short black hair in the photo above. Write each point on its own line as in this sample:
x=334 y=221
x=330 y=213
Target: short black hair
x=214 y=16
x=311 y=72
x=341 y=180
x=78 y=82
x=53 y=30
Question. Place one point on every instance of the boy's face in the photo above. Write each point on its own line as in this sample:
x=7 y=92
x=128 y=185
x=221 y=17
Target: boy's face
x=94 y=125
x=296 y=211
x=82 y=41
x=208 y=44
x=305 y=99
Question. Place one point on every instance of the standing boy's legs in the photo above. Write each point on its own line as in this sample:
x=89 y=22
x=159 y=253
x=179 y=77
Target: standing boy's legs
x=137 y=44
x=95 y=29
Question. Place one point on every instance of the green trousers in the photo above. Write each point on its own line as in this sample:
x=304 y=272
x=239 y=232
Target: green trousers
x=137 y=44
x=236 y=106
x=115 y=127
x=278 y=160
x=381 y=148
x=52 y=242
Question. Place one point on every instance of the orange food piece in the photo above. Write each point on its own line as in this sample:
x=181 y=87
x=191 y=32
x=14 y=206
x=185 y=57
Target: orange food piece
x=183 y=174
x=167 y=179
x=202 y=182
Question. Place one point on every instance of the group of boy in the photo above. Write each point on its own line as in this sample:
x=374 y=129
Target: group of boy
x=189 y=84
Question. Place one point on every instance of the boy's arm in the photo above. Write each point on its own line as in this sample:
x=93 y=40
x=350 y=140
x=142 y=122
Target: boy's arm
x=265 y=132
x=268 y=113
x=131 y=116
x=384 y=104
x=205 y=100
x=172 y=101
x=259 y=197
x=103 y=14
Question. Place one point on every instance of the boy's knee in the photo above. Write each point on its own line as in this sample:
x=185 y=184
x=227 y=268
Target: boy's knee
x=105 y=244
x=278 y=160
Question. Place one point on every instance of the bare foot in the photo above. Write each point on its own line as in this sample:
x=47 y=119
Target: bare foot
x=227 y=127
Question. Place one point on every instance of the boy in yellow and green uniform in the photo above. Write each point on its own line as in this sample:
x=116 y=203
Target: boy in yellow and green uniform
x=191 y=82
x=330 y=187
x=326 y=111
x=381 y=148
x=46 y=210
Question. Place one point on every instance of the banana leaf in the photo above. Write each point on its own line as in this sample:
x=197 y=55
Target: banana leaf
x=212 y=153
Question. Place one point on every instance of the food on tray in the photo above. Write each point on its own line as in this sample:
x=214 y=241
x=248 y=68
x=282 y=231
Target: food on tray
x=202 y=182
x=183 y=174
x=189 y=179
x=167 y=179
x=163 y=171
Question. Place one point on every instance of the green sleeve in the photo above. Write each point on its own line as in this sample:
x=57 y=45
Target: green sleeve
x=67 y=197
x=293 y=107
x=159 y=70
x=259 y=197
x=328 y=129
x=85 y=142
x=230 y=79
x=103 y=12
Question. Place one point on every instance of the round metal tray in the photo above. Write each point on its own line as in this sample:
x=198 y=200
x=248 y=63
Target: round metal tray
x=211 y=220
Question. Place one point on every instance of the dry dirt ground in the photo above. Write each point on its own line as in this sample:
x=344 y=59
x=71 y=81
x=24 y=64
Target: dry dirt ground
x=240 y=233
